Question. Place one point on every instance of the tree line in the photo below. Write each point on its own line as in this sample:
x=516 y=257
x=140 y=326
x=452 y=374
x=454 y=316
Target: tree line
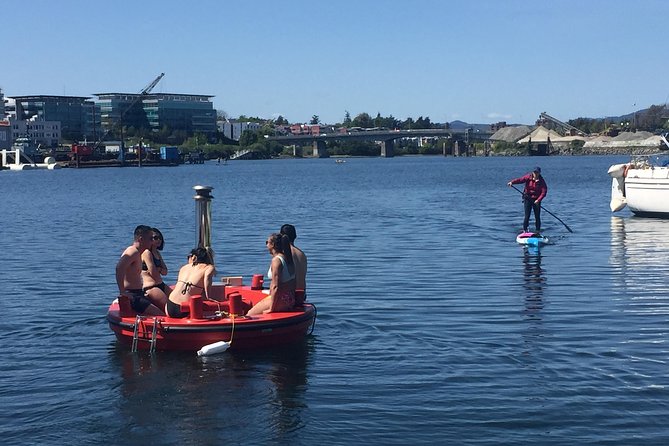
x=257 y=143
x=653 y=119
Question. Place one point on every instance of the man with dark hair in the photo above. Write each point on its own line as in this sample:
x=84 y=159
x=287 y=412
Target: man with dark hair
x=129 y=272
x=300 y=261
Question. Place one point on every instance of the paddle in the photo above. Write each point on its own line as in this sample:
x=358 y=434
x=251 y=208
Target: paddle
x=557 y=218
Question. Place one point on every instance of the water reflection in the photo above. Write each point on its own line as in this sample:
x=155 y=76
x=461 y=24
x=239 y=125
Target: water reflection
x=534 y=281
x=640 y=254
x=180 y=397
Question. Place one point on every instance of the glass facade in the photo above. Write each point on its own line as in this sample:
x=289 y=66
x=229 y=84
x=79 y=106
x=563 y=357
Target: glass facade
x=189 y=113
x=76 y=114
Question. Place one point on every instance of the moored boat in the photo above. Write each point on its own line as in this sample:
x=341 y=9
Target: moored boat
x=220 y=318
x=642 y=185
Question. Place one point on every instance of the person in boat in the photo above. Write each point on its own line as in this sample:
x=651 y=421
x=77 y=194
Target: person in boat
x=195 y=279
x=534 y=192
x=129 y=272
x=153 y=270
x=300 y=260
x=282 y=274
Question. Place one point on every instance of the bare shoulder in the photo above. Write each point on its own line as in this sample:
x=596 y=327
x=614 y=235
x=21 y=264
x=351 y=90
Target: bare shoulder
x=130 y=251
x=297 y=252
x=183 y=270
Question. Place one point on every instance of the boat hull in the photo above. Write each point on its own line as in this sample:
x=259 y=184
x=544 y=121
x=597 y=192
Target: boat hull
x=645 y=191
x=191 y=334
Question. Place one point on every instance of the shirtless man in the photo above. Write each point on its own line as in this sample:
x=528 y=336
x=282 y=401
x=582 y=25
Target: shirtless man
x=195 y=278
x=300 y=260
x=129 y=272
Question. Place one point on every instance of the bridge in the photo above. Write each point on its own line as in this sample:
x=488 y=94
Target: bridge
x=385 y=137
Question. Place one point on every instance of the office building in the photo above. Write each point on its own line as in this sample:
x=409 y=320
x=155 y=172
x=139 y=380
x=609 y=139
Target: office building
x=76 y=114
x=175 y=112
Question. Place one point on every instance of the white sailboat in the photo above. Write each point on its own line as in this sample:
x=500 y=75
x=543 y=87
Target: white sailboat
x=642 y=185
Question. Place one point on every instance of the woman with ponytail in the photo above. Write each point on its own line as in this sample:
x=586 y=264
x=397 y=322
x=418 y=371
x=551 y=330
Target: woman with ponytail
x=282 y=274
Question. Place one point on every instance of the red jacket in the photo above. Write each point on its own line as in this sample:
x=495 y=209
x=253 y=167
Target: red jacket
x=534 y=189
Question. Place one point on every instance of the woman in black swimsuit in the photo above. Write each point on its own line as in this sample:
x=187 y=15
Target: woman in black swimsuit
x=153 y=270
x=195 y=278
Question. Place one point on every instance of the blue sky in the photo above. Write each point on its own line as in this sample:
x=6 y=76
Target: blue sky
x=477 y=61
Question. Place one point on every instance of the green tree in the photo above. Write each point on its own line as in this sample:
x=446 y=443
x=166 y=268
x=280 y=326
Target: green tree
x=267 y=129
x=347 y=120
x=315 y=120
x=423 y=123
x=408 y=124
x=378 y=121
x=245 y=118
x=652 y=119
x=248 y=138
x=390 y=123
x=363 y=120
x=281 y=121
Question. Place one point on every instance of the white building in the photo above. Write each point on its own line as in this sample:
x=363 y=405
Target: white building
x=46 y=133
x=233 y=129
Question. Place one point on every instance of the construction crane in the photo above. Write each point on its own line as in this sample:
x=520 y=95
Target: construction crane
x=546 y=117
x=145 y=91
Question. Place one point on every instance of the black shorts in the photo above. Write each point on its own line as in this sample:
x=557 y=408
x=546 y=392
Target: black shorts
x=138 y=301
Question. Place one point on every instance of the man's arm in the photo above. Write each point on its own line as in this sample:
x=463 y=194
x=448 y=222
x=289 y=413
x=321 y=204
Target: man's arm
x=121 y=268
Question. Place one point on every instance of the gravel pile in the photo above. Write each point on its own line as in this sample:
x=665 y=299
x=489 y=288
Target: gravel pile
x=511 y=134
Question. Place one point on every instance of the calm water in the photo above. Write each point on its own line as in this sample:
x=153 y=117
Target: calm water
x=434 y=326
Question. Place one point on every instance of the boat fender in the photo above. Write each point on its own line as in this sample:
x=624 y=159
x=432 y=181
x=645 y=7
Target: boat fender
x=618 y=199
x=617 y=170
x=212 y=349
x=628 y=166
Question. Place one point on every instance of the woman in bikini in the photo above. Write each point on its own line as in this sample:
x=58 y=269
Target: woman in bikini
x=282 y=274
x=195 y=278
x=153 y=270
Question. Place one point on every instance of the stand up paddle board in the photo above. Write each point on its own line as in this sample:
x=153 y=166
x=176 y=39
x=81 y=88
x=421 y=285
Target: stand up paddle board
x=531 y=239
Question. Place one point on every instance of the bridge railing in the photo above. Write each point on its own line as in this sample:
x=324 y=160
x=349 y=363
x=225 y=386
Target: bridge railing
x=383 y=135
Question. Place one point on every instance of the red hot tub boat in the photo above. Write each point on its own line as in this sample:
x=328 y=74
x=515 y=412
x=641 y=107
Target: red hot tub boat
x=218 y=318
x=211 y=321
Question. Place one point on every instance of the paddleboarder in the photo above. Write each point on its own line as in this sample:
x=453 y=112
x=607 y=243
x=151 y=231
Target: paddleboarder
x=534 y=192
